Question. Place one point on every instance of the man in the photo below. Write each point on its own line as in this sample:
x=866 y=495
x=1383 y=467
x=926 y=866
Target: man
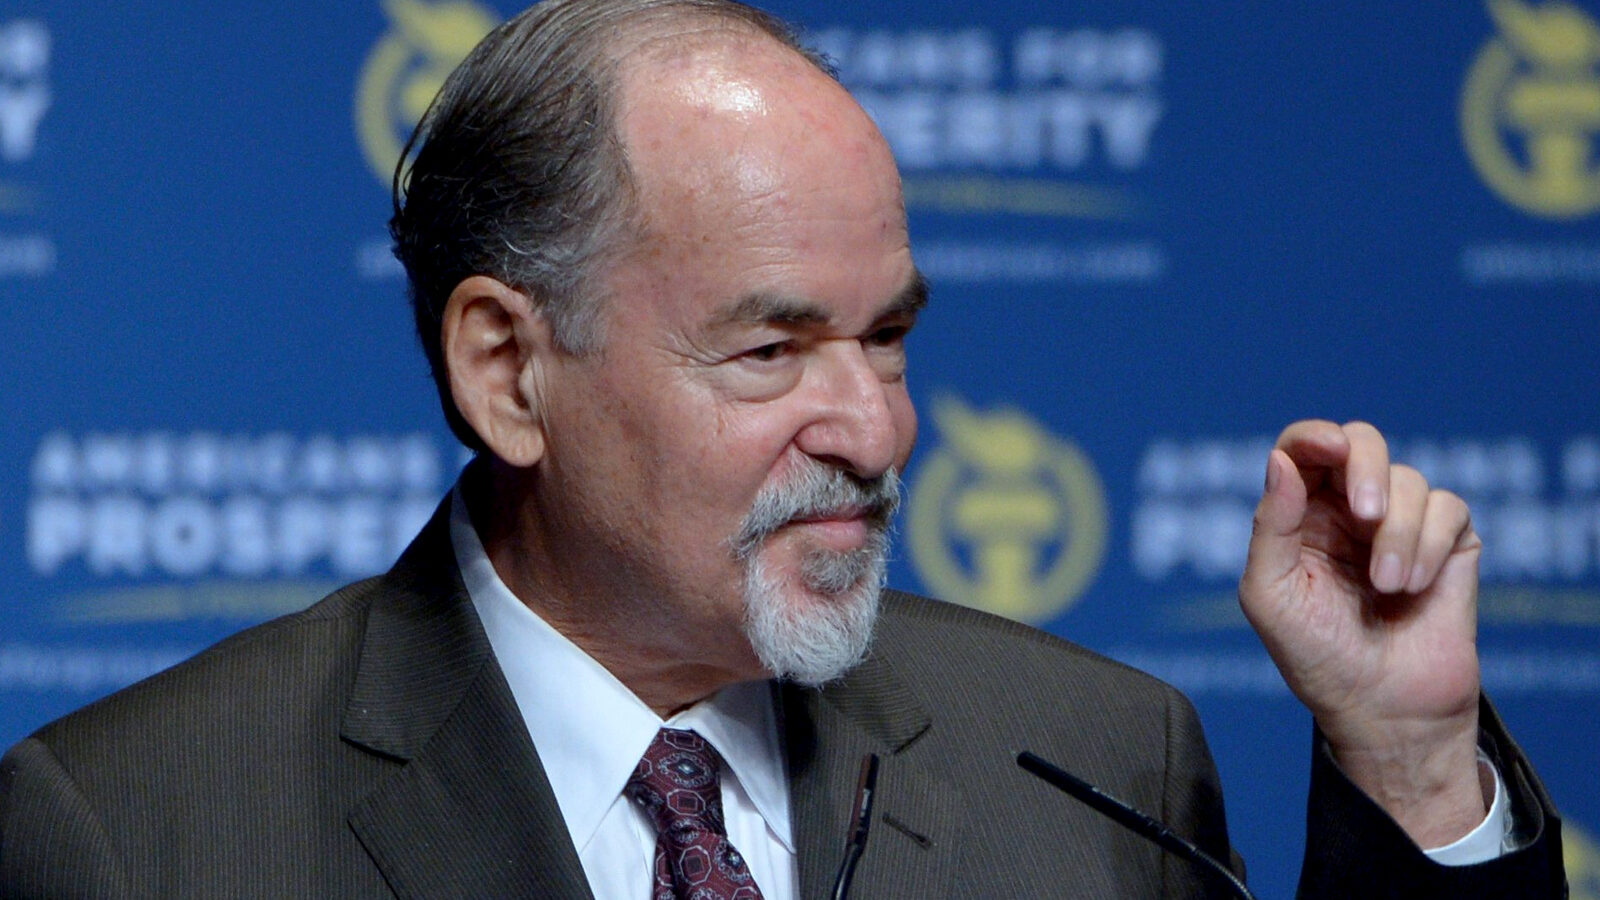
x=661 y=268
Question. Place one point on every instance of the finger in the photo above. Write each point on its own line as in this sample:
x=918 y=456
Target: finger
x=1394 y=544
x=1446 y=528
x=1317 y=447
x=1314 y=442
x=1366 y=473
x=1275 y=534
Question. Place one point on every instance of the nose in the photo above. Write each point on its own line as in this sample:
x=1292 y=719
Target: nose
x=851 y=419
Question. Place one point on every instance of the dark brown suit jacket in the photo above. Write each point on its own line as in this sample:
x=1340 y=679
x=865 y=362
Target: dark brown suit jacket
x=369 y=747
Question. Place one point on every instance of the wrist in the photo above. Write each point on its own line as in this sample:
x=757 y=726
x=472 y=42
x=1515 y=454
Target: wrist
x=1429 y=781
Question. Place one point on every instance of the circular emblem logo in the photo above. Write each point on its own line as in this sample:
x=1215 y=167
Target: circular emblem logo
x=1004 y=516
x=406 y=69
x=1530 y=110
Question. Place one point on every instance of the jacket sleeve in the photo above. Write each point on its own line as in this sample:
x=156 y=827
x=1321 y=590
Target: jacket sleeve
x=1354 y=849
x=52 y=843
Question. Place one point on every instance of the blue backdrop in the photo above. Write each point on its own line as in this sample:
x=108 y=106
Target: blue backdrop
x=1156 y=232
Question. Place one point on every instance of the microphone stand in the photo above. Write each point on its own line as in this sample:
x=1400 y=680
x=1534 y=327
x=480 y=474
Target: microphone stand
x=1132 y=819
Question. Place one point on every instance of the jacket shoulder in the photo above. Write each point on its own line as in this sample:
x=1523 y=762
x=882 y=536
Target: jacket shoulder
x=133 y=795
x=994 y=653
x=256 y=675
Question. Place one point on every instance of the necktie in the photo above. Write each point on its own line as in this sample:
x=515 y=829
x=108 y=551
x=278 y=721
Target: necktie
x=678 y=786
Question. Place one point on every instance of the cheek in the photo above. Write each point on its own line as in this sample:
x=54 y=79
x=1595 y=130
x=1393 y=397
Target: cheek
x=708 y=457
x=745 y=450
x=747 y=438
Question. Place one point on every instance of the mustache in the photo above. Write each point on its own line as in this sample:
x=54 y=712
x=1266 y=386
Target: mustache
x=818 y=491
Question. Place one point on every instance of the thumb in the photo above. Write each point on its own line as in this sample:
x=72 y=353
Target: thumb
x=1275 y=536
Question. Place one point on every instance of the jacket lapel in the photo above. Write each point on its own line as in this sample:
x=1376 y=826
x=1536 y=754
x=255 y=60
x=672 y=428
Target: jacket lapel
x=915 y=831
x=469 y=813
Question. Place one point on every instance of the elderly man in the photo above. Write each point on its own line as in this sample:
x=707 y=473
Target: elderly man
x=661 y=269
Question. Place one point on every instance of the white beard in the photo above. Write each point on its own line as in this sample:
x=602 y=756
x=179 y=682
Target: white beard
x=816 y=639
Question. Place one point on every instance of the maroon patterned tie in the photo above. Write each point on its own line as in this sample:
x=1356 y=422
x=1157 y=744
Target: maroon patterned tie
x=677 y=785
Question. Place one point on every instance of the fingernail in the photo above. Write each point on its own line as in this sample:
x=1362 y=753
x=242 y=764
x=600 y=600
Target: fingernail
x=1272 y=473
x=1369 y=502
x=1415 y=583
x=1388 y=574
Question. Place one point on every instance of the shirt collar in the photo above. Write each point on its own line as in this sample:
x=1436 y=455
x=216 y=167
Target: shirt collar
x=590 y=730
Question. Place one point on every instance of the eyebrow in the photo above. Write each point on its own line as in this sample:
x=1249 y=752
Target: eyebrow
x=780 y=309
x=912 y=298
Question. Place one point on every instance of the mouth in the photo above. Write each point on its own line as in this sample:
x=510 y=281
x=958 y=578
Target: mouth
x=841 y=530
x=848 y=513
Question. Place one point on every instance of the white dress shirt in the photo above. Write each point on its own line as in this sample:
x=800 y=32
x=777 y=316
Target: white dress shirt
x=591 y=731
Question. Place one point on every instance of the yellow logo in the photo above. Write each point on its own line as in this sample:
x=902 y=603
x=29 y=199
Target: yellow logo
x=1005 y=516
x=1530 y=112
x=1582 y=858
x=406 y=69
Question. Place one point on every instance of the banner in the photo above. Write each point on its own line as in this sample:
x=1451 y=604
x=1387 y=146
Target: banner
x=1156 y=233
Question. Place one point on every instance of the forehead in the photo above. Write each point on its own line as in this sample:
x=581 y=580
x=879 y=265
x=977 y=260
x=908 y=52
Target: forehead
x=751 y=165
x=727 y=106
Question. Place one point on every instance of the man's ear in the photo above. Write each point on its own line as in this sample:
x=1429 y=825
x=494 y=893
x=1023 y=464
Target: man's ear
x=495 y=344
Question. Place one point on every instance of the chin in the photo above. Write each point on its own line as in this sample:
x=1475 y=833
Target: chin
x=810 y=599
x=813 y=626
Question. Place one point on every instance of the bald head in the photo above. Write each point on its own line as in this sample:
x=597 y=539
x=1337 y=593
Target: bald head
x=517 y=171
x=723 y=125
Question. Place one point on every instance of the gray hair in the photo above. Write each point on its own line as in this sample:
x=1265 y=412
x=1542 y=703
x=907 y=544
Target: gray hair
x=517 y=170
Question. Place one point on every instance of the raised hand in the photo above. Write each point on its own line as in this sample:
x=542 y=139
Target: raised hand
x=1362 y=582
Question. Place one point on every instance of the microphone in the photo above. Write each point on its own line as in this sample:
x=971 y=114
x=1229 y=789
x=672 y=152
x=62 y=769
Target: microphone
x=860 y=821
x=1130 y=818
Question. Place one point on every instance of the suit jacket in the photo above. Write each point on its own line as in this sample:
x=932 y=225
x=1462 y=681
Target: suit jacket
x=370 y=747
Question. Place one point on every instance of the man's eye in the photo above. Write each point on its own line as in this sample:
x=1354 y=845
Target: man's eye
x=886 y=336
x=768 y=352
